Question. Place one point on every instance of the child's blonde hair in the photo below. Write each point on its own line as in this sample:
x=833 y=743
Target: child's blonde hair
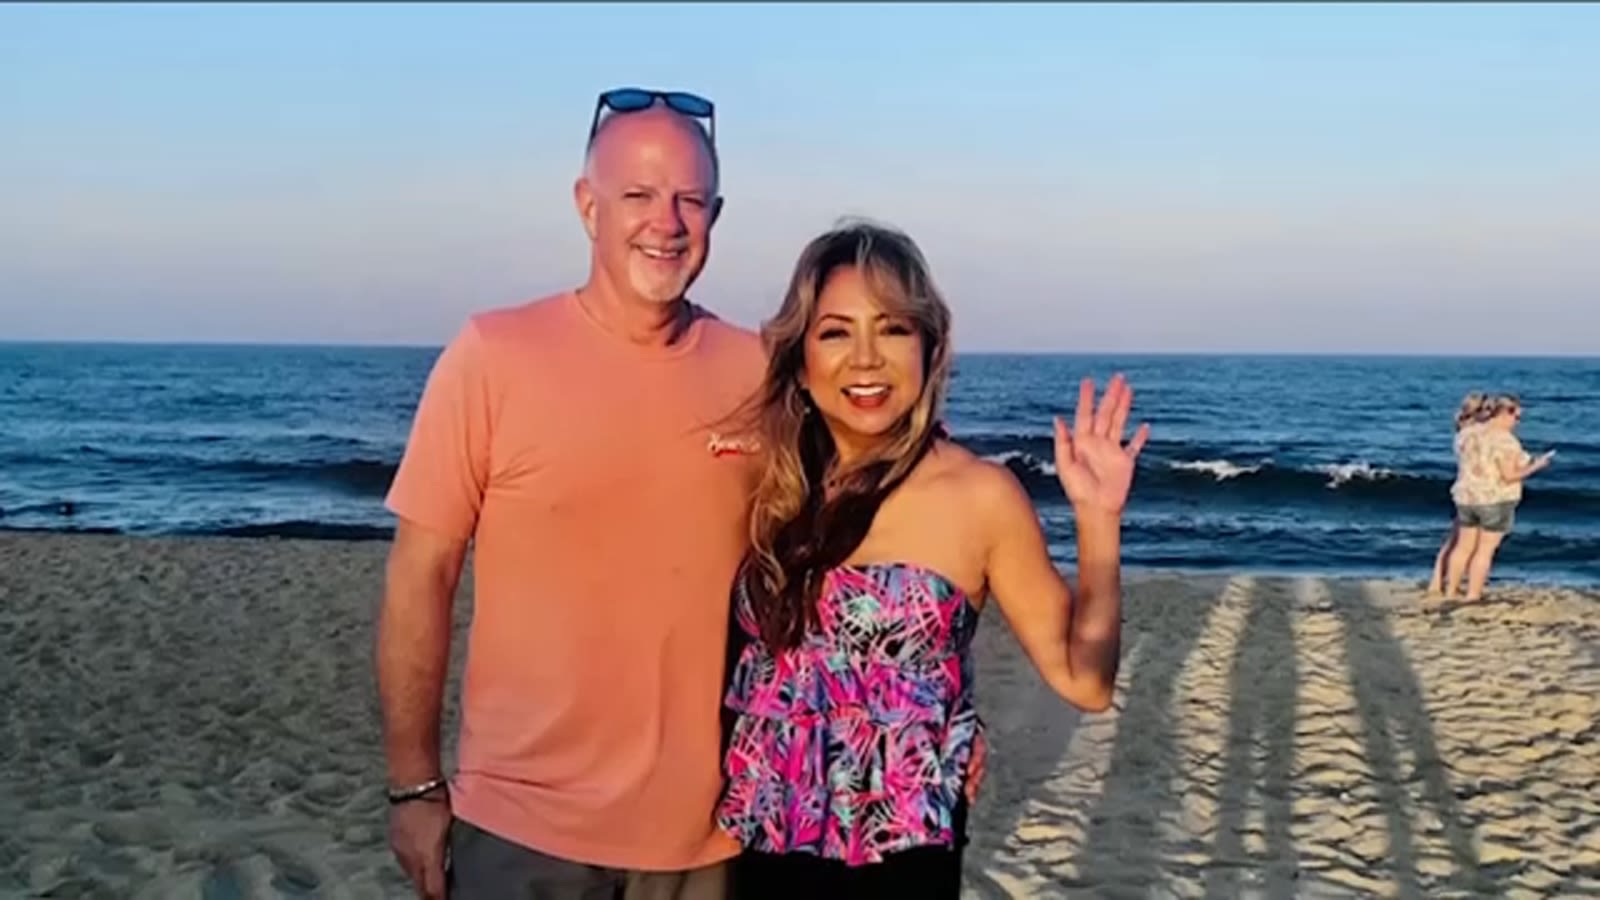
x=1472 y=408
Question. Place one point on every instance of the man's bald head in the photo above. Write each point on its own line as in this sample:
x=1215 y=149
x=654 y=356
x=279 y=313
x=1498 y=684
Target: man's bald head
x=658 y=129
x=648 y=199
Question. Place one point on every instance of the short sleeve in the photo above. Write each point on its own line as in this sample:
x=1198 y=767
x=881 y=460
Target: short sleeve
x=444 y=472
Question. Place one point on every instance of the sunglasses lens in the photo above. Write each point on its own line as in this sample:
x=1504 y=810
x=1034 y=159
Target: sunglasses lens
x=628 y=99
x=689 y=104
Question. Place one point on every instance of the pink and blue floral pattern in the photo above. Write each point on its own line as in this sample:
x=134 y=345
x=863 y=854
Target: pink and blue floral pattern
x=855 y=744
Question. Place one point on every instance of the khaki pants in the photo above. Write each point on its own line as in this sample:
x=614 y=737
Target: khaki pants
x=484 y=866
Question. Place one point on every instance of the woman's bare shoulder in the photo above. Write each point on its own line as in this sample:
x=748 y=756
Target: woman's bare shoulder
x=983 y=482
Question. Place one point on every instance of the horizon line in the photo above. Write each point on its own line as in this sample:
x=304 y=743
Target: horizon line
x=388 y=345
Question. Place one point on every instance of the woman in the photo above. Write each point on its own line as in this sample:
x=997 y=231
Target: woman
x=1487 y=489
x=1470 y=414
x=875 y=543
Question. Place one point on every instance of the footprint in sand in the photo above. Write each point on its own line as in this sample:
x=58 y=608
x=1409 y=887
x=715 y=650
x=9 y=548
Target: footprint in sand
x=292 y=876
x=134 y=832
x=242 y=870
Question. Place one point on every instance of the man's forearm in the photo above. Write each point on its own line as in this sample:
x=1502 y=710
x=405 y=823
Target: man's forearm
x=1095 y=633
x=413 y=654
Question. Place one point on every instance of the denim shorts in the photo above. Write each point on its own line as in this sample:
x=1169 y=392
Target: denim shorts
x=1495 y=517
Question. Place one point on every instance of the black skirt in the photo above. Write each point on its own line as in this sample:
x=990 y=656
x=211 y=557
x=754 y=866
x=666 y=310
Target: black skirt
x=926 y=873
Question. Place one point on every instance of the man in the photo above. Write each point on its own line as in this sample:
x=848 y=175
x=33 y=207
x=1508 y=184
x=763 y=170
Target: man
x=571 y=441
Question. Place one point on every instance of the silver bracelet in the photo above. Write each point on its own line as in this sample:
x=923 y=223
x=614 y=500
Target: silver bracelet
x=415 y=792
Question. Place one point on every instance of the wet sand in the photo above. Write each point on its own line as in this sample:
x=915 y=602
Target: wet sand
x=197 y=718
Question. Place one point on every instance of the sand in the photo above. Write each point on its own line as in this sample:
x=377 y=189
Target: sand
x=196 y=718
x=1280 y=737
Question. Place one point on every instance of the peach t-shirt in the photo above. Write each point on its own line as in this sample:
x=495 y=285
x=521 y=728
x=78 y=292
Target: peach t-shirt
x=607 y=526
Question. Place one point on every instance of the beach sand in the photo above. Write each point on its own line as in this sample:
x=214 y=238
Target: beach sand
x=196 y=718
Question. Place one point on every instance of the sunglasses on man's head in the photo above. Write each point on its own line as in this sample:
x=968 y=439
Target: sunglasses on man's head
x=629 y=99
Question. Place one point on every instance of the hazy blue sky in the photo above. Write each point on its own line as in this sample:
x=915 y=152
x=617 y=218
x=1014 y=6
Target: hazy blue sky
x=1301 y=177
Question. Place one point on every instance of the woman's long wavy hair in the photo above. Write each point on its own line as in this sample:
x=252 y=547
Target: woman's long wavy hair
x=809 y=514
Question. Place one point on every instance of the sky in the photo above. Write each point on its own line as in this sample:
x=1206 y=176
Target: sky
x=1084 y=178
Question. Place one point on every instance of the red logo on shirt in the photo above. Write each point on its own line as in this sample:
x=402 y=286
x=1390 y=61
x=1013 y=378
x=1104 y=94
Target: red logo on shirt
x=731 y=446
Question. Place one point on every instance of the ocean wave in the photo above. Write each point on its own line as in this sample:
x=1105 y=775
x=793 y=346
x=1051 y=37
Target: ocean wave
x=1338 y=474
x=56 y=508
x=361 y=476
x=304 y=530
x=365 y=477
x=356 y=477
x=1023 y=462
x=1220 y=469
x=1265 y=482
x=1344 y=473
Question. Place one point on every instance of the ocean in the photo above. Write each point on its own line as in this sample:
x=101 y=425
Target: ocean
x=1270 y=464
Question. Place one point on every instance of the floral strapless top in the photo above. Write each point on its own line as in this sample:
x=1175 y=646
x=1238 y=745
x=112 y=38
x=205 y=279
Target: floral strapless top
x=856 y=743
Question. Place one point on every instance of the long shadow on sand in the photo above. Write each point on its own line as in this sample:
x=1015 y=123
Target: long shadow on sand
x=1123 y=854
x=1157 y=641
x=1028 y=728
x=1394 y=721
x=1259 y=756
